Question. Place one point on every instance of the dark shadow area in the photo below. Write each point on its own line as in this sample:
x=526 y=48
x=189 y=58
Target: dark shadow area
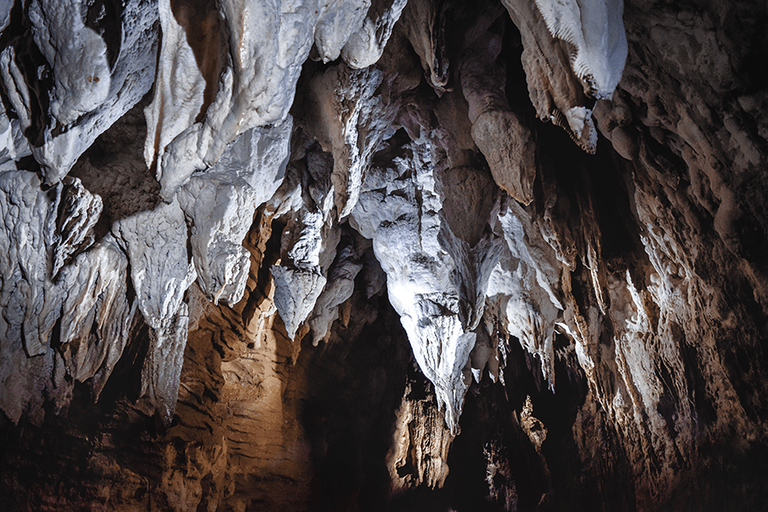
x=34 y=69
x=207 y=36
x=490 y=433
x=114 y=168
x=105 y=18
x=356 y=382
x=60 y=465
x=567 y=482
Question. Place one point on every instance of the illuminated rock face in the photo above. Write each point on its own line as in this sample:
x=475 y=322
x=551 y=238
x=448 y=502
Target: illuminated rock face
x=334 y=255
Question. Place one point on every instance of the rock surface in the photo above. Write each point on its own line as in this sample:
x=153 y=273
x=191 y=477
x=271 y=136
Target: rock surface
x=335 y=255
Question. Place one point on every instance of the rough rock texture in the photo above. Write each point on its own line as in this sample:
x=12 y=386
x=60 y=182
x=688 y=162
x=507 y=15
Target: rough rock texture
x=71 y=69
x=335 y=256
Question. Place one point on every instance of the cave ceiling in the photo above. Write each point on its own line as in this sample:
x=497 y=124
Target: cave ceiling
x=383 y=255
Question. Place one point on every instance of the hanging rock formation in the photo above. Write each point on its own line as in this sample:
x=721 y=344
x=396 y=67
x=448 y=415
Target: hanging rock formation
x=383 y=255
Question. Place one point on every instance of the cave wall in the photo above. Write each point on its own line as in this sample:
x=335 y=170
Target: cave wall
x=383 y=255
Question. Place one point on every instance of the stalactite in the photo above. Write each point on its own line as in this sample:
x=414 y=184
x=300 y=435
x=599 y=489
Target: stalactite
x=383 y=255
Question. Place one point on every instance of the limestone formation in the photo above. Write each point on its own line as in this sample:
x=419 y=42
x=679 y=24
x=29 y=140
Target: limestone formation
x=334 y=255
x=76 y=70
